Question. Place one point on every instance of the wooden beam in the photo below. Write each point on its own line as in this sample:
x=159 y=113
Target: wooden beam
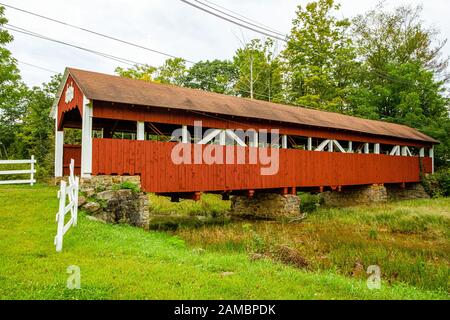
x=322 y=145
x=211 y=135
x=233 y=136
x=338 y=145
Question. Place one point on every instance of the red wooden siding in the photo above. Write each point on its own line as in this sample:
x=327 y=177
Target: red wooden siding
x=297 y=168
x=77 y=101
x=108 y=110
x=71 y=151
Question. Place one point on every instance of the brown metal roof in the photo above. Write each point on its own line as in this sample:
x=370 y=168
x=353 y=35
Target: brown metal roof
x=99 y=86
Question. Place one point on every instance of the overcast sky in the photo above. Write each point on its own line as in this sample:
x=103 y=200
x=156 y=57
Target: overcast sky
x=166 y=25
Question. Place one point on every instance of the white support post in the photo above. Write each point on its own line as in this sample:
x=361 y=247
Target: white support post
x=184 y=134
x=222 y=138
x=330 y=146
x=376 y=148
x=431 y=152
x=284 y=141
x=59 y=149
x=309 y=143
x=422 y=152
x=86 y=139
x=366 y=148
x=255 y=139
x=140 y=134
x=350 y=147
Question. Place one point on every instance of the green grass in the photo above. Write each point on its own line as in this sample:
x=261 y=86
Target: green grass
x=209 y=205
x=409 y=240
x=123 y=262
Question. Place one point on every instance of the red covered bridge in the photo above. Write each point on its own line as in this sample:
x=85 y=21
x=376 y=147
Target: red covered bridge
x=128 y=129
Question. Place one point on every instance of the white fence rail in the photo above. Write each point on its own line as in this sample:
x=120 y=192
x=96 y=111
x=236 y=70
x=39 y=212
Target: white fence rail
x=70 y=192
x=31 y=171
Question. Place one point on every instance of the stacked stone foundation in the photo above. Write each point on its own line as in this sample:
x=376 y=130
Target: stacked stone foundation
x=265 y=206
x=368 y=194
x=115 y=199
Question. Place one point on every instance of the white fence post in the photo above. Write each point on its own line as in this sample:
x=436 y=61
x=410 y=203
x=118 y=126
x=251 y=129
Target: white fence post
x=32 y=171
x=65 y=192
x=60 y=217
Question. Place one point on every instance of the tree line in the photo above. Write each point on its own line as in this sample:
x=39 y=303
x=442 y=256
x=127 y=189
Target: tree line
x=382 y=65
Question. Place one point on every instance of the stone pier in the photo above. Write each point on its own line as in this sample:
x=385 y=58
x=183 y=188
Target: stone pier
x=368 y=194
x=354 y=195
x=265 y=206
x=115 y=199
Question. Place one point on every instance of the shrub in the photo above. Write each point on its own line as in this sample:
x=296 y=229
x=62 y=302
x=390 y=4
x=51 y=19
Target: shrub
x=129 y=185
x=309 y=202
x=438 y=184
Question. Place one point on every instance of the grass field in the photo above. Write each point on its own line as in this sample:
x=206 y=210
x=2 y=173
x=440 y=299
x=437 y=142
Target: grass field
x=123 y=262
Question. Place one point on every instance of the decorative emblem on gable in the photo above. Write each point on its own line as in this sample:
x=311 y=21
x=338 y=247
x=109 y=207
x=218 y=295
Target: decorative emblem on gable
x=69 y=93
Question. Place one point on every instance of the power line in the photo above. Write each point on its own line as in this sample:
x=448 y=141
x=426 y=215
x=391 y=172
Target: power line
x=37 y=35
x=130 y=62
x=105 y=55
x=244 y=17
x=37 y=67
x=108 y=56
x=258 y=25
x=93 y=32
x=234 y=22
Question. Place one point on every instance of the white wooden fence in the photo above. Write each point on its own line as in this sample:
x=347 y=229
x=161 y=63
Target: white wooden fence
x=70 y=192
x=31 y=171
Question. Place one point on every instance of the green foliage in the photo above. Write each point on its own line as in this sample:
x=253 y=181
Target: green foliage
x=129 y=186
x=403 y=75
x=215 y=76
x=259 y=71
x=256 y=243
x=72 y=136
x=172 y=71
x=12 y=92
x=309 y=202
x=140 y=72
x=319 y=59
x=438 y=184
x=36 y=133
